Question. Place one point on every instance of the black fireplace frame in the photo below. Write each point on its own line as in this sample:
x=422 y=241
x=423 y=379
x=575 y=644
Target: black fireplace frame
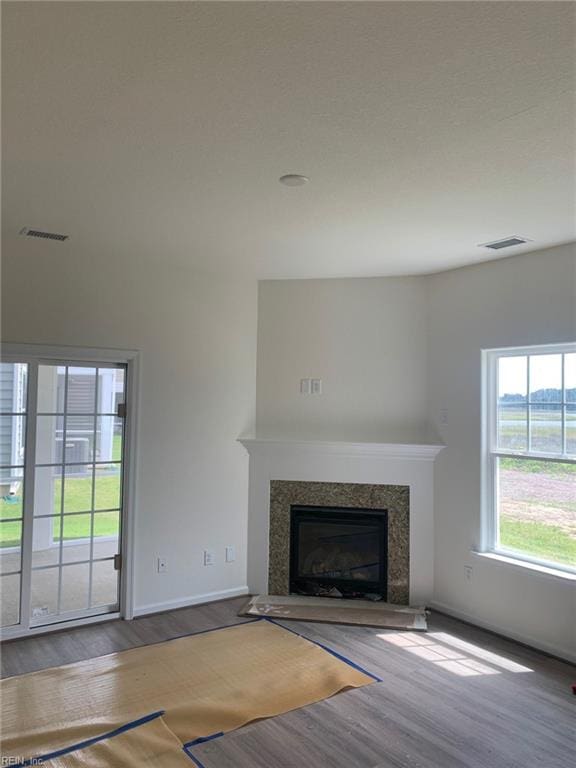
x=358 y=516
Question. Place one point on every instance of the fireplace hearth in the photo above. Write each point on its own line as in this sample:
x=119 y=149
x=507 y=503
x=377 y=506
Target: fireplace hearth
x=338 y=552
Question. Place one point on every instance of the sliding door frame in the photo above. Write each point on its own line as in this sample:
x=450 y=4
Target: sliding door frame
x=37 y=354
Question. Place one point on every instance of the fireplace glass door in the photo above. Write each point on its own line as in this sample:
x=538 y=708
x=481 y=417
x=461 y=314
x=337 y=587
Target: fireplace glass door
x=336 y=550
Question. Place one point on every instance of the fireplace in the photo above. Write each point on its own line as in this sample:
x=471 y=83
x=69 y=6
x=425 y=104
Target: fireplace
x=338 y=550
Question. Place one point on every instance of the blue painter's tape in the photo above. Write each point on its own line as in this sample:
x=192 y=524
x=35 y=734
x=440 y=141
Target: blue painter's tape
x=94 y=740
x=202 y=739
x=339 y=656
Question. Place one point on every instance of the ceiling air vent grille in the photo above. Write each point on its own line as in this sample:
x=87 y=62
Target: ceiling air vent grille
x=45 y=235
x=507 y=242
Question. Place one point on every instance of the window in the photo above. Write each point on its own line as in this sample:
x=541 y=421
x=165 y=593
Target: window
x=530 y=454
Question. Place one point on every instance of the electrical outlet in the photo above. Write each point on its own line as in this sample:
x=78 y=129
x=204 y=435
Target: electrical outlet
x=161 y=565
x=230 y=554
x=209 y=557
x=468 y=572
x=443 y=415
x=316 y=388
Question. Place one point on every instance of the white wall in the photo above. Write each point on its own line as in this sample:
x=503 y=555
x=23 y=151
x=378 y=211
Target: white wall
x=197 y=337
x=365 y=338
x=529 y=299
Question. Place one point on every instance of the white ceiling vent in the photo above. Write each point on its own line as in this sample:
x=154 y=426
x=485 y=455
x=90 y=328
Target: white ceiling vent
x=46 y=235
x=507 y=242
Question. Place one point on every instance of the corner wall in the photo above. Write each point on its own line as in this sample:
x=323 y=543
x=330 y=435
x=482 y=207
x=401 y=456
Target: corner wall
x=197 y=338
x=523 y=300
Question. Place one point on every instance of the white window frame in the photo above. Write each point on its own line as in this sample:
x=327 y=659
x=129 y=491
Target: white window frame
x=38 y=353
x=491 y=452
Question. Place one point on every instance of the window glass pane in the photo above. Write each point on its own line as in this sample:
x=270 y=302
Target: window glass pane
x=111 y=389
x=79 y=439
x=570 y=377
x=51 y=380
x=46 y=542
x=49 y=438
x=12 y=439
x=108 y=439
x=74 y=587
x=545 y=378
x=104 y=583
x=76 y=544
x=13 y=387
x=78 y=488
x=44 y=598
x=546 y=428
x=512 y=380
x=81 y=390
x=107 y=492
x=47 y=490
x=11 y=492
x=537 y=509
x=512 y=427
x=10 y=546
x=119 y=387
x=9 y=600
x=571 y=429
x=106 y=529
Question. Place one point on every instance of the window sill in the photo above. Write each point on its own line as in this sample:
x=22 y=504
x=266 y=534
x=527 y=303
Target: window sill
x=536 y=567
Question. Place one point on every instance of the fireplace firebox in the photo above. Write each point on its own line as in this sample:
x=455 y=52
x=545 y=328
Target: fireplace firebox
x=336 y=550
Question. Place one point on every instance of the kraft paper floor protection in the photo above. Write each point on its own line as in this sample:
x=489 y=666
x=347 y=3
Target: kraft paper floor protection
x=149 y=745
x=336 y=611
x=208 y=683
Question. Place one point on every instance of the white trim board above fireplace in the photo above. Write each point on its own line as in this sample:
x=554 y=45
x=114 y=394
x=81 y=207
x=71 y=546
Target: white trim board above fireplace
x=343 y=462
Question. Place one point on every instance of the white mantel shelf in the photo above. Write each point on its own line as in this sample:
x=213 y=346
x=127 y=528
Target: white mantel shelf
x=414 y=451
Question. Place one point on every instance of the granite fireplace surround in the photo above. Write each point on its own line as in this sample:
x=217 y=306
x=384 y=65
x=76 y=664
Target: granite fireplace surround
x=394 y=498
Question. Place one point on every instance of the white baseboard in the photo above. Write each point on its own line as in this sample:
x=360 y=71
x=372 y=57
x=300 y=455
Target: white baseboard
x=185 y=602
x=562 y=653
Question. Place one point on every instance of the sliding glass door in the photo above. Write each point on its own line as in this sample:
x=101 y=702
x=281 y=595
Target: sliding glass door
x=13 y=419
x=62 y=459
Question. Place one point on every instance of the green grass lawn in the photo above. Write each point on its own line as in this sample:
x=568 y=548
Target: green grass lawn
x=78 y=492
x=533 y=465
x=545 y=542
x=117 y=448
x=78 y=498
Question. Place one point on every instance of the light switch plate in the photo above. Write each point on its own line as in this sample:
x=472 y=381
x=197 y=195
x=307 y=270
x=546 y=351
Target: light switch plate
x=316 y=388
x=305 y=386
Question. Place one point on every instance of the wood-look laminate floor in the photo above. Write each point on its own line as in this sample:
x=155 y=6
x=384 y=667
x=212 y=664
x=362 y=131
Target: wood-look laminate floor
x=455 y=697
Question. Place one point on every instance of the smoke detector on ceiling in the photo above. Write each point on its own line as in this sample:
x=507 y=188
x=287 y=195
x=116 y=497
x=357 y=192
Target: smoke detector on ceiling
x=293 y=180
x=506 y=242
x=26 y=232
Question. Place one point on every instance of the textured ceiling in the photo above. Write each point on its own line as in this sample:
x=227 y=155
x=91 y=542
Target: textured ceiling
x=157 y=131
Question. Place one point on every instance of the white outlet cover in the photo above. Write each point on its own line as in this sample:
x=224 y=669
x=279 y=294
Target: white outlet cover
x=161 y=565
x=316 y=388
